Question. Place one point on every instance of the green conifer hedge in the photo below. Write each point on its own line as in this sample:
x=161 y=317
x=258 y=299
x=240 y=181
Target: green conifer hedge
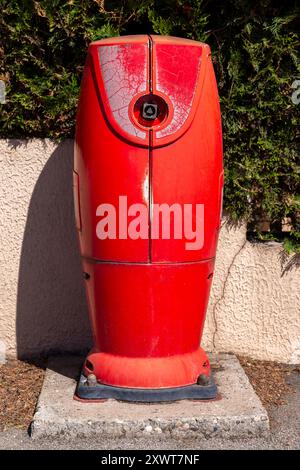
x=255 y=48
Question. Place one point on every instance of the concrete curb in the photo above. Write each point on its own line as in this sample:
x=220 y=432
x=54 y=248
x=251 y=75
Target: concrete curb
x=238 y=414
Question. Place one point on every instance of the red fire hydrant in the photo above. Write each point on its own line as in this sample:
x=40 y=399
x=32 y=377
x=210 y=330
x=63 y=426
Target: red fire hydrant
x=148 y=182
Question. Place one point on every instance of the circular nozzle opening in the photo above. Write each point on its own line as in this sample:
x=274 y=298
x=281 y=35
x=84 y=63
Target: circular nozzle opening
x=150 y=110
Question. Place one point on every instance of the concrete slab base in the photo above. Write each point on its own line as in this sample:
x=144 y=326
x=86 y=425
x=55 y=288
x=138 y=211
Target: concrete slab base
x=238 y=414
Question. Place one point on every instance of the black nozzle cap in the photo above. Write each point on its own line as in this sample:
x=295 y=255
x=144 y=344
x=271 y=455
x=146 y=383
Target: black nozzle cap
x=149 y=111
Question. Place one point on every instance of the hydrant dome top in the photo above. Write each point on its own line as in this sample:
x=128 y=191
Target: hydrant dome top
x=127 y=68
x=141 y=38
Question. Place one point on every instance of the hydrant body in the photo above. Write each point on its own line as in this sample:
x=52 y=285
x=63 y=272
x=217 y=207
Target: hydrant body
x=147 y=183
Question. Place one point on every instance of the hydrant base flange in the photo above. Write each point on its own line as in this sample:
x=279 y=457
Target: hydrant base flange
x=85 y=392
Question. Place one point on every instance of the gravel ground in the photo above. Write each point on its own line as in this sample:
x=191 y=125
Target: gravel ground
x=269 y=379
x=20 y=386
x=285 y=432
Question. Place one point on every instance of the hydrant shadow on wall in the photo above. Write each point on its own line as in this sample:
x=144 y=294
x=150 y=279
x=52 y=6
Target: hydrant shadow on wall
x=148 y=182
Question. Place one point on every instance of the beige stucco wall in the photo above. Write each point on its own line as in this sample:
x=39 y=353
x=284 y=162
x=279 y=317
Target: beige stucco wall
x=255 y=303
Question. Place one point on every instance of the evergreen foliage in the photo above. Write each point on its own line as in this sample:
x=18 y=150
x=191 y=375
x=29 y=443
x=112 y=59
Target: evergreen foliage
x=255 y=47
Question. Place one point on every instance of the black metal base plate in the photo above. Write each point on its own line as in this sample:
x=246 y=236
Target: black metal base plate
x=102 y=392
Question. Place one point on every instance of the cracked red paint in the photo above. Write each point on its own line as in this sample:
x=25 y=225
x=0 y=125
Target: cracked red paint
x=176 y=76
x=124 y=72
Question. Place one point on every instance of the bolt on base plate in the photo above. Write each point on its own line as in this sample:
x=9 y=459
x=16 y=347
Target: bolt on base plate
x=87 y=392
